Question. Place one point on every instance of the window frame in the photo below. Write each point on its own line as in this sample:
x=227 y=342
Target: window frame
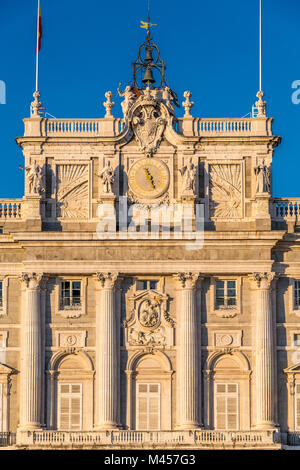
x=71 y=296
x=69 y=395
x=227 y=395
x=72 y=311
x=4 y=306
x=147 y=395
x=226 y=311
x=148 y=284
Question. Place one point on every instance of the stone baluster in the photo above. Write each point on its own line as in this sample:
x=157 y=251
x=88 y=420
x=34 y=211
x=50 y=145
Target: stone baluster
x=107 y=350
x=187 y=354
x=31 y=358
x=264 y=353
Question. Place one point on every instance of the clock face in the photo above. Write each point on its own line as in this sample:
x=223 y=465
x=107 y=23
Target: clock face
x=149 y=178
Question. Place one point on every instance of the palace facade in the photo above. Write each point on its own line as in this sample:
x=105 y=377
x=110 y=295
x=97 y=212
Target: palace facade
x=149 y=280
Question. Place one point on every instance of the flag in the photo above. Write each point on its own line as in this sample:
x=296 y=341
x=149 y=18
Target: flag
x=40 y=30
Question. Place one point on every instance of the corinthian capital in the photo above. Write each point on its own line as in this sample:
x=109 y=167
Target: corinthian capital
x=263 y=280
x=32 y=280
x=187 y=280
x=107 y=280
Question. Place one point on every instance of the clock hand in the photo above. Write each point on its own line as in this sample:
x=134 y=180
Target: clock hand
x=149 y=177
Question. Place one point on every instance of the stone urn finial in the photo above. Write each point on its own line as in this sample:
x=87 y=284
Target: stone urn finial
x=187 y=104
x=260 y=104
x=36 y=104
x=108 y=104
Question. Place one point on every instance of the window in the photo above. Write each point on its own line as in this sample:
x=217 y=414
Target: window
x=1 y=408
x=225 y=294
x=70 y=407
x=1 y=294
x=148 y=406
x=297 y=407
x=146 y=285
x=226 y=407
x=297 y=295
x=70 y=294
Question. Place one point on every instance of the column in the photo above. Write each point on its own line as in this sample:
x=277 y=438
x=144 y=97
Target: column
x=31 y=354
x=188 y=376
x=107 y=350
x=264 y=353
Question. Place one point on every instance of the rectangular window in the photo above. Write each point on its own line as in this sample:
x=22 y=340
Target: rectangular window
x=1 y=294
x=70 y=407
x=148 y=407
x=297 y=407
x=146 y=285
x=1 y=407
x=70 y=294
x=227 y=407
x=297 y=294
x=225 y=294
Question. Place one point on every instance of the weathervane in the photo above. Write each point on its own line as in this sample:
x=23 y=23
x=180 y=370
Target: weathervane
x=147 y=24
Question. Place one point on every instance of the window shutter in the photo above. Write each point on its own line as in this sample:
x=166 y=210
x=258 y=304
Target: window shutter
x=226 y=407
x=1 y=407
x=70 y=407
x=148 y=407
x=297 y=407
x=142 y=413
x=75 y=413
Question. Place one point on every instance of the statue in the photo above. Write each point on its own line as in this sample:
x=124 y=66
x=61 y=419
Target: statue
x=263 y=180
x=188 y=173
x=35 y=178
x=167 y=96
x=129 y=99
x=107 y=176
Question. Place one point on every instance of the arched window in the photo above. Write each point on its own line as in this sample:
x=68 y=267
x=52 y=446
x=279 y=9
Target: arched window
x=227 y=392
x=70 y=392
x=149 y=392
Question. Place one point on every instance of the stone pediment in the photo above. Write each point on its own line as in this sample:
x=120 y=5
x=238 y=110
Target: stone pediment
x=295 y=369
x=6 y=370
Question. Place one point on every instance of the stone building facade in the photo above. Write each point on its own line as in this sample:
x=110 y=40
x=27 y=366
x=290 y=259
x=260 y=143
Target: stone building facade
x=130 y=338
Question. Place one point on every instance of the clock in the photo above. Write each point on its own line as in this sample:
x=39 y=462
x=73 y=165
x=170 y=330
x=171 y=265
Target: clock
x=149 y=178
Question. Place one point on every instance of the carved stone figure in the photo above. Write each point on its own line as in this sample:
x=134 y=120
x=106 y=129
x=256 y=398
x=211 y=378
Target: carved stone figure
x=188 y=173
x=147 y=338
x=35 y=178
x=107 y=176
x=149 y=313
x=129 y=98
x=168 y=98
x=263 y=180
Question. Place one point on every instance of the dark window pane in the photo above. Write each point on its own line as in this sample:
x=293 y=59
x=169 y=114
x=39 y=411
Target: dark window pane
x=231 y=292
x=153 y=284
x=141 y=285
x=220 y=301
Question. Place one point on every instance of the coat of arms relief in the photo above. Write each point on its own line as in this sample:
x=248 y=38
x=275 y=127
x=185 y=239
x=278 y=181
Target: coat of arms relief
x=147 y=321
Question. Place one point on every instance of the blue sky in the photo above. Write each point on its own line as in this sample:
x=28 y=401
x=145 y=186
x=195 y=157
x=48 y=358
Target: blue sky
x=211 y=49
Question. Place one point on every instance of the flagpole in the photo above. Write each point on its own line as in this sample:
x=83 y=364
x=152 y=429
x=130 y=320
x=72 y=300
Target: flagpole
x=37 y=49
x=260 y=47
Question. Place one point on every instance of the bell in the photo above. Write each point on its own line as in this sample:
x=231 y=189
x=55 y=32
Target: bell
x=148 y=77
x=149 y=57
